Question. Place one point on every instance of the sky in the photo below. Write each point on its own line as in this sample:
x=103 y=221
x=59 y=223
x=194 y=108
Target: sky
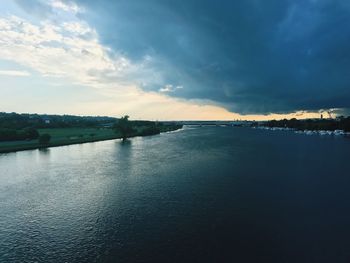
x=176 y=60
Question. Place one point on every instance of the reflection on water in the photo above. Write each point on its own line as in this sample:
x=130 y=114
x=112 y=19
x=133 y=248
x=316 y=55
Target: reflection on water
x=202 y=194
x=44 y=151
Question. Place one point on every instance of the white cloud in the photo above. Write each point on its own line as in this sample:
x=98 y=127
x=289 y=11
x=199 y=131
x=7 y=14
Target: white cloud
x=77 y=28
x=14 y=73
x=170 y=88
x=71 y=50
x=167 y=88
x=66 y=6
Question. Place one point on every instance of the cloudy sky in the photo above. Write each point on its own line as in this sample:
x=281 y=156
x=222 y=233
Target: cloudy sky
x=169 y=60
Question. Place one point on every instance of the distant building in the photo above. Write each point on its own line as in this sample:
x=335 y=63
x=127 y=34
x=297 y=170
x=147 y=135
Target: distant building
x=46 y=120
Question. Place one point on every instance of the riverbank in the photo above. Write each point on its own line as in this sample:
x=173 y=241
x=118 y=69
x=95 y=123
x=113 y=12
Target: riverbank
x=339 y=126
x=68 y=136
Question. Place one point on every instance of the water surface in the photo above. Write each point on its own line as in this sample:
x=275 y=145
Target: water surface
x=209 y=194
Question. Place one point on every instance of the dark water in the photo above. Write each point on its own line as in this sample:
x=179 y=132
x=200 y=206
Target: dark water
x=208 y=194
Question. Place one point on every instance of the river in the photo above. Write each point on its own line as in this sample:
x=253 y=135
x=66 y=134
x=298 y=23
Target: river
x=201 y=194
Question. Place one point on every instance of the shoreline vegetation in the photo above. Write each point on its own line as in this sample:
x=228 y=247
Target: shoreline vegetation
x=20 y=132
x=339 y=126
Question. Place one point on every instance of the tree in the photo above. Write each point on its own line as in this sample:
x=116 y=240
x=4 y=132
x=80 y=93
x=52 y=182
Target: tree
x=31 y=133
x=124 y=126
x=44 y=139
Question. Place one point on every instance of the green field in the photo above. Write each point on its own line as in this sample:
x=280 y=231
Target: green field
x=62 y=136
x=67 y=136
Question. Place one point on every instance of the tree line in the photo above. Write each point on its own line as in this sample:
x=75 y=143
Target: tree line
x=40 y=121
x=340 y=123
x=16 y=135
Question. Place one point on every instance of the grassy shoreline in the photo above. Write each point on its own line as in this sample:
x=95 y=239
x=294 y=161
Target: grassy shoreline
x=67 y=138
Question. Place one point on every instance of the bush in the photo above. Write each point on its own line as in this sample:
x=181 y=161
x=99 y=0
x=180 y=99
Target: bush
x=17 y=135
x=31 y=133
x=152 y=130
x=44 y=139
x=8 y=134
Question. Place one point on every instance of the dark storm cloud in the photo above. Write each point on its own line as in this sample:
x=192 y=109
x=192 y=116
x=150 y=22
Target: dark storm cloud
x=252 y=56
